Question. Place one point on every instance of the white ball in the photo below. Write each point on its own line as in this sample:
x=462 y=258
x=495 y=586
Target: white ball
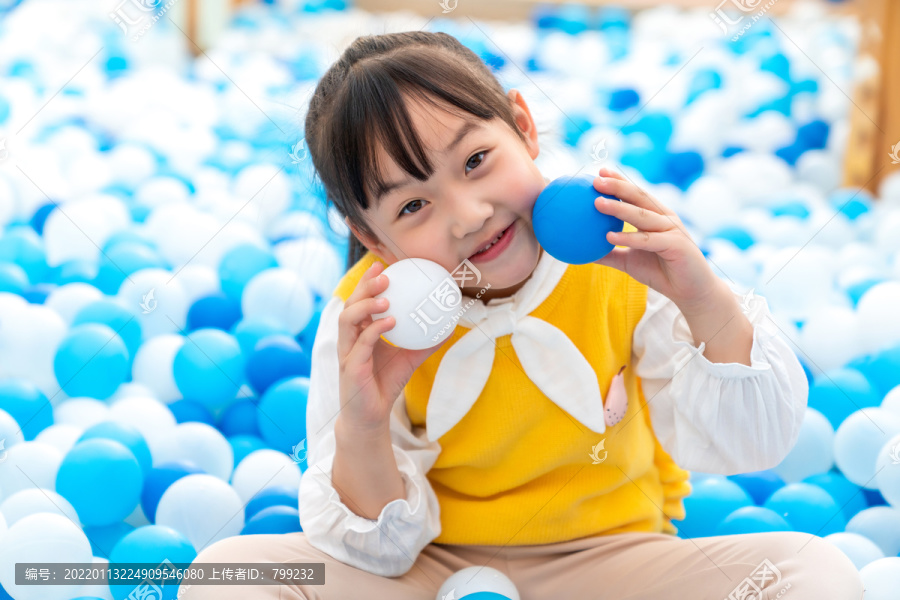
x=80 y=412
x=881 y=578
x=81 y=227
x=830 y=336
x=887 y=476
x=314 y=259
x=202 y=445
x=42 y=538
x=891 y=401
x=859 y=549
x=67 y=300
x=858 y=441
x=29 y=465
x=61 y=436
x=813 y=453
x=10 y=432
x=35 y=500
x=879 y=325
x=264 y=468
x=424 y=300
x=158 y=299
x=278 y=295
x=203 y=508
x=477 y=579
x=153 y=365
x=151 y=418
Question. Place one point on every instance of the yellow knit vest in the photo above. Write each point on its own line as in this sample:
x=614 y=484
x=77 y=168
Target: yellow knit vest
x=518 y=469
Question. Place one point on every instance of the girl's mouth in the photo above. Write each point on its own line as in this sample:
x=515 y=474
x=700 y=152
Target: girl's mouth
x=497 y=248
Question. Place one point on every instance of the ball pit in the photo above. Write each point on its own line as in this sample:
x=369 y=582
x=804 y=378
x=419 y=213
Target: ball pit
x=164 y=265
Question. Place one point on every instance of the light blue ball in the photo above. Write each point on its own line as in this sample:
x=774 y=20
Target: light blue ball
x=282 y=413
x=126 y=435
x=13 y=278
x=22 y=245
x=881 y=524
x=711 y=500
x=152 y=544
x=104 y=538
x=840 y=393
x=209 y=367
x=102 y=479
x=91 y=361
x=242 y=445
x=249 y=331
x=120 y=319
x=568 y=225
x=240 y=264
x=752 y=519
x=759 y=484
x=808 y=508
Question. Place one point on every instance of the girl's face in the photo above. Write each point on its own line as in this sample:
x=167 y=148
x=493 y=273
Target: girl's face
x=485 y=181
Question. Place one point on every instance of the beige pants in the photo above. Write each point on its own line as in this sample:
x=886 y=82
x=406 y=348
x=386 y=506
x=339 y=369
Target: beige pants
x=627 y=566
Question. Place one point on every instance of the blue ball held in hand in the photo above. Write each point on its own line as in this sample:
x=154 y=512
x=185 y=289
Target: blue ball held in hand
x=568 y=225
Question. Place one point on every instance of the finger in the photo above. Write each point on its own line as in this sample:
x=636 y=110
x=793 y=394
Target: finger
x=615 y=259
x=354 y=319
x=638 y=216
x=364 y=348
x=628 y=192
x=651 y=241
x=363 y=287
x=607 y=172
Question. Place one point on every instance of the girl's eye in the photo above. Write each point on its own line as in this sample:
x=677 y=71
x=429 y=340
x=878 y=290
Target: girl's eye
x=411 y=203
x=408 y=205
x=480 y=160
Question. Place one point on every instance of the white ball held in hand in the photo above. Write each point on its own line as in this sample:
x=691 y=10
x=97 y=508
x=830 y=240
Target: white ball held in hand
x=424 y=300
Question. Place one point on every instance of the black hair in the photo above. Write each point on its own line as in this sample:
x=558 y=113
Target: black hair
x=359 y=104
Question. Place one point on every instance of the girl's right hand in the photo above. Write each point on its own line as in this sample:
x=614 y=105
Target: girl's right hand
x=372 y=372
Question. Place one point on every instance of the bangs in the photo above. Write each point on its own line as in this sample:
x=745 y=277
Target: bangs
x=373 y=113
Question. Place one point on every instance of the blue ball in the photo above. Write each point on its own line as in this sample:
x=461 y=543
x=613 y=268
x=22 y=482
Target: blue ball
x=711 y=500
x=240 y=264
x=104 y=538
x=102 y=479
x=282 y=418
x=249 y=331
x=27 y=405
x=274 y=519
x=759 y=484
x=126 y=435
x=276 y=495
x=845 y=493
x=153 y=545
x=188 y=410
x=158 y=481
x=72 y=271
x=808 y=508
x=123 y=259
x=736 y=235
x=92 y=361
x=568 y=225
x=276 y=357
x=22 y=246
x=842 y=392
x=240 y=418
x=209 y=367
x=752 y=519
x=882 y=369
x=242 y=445
x=216 y=310
x=117 y=317
x=13 y=278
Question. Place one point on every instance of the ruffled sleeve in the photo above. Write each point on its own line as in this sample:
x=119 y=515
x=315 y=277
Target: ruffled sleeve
x=722 y=418
x=389 y=545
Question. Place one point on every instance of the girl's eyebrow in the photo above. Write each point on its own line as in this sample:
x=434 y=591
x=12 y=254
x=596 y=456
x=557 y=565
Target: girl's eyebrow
x=467 y=128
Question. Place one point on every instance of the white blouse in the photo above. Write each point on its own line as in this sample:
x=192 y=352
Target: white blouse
x=722 y=418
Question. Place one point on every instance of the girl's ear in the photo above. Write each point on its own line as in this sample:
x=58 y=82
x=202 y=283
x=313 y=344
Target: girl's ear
x=523 y=119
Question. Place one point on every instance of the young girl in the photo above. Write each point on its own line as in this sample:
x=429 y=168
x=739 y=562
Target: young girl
x=548 y=436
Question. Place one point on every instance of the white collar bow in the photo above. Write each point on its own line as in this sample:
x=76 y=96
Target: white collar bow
x=547 y=355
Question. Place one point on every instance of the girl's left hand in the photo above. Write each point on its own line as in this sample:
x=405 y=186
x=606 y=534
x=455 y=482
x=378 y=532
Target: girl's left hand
x=661 y=253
